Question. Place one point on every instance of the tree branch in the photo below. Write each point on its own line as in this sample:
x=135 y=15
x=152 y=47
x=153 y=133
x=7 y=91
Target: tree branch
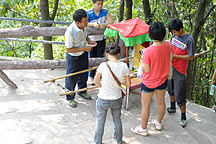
x=5 y=78
x=55 y=10
x=172 y=3
x=209 y=12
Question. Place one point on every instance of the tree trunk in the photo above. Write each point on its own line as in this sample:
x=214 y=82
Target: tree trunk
x=147 y=10
x=175 y=13
x=44 y=9
x=200 y=19
x=129 y=4
x=48 y=50
x=118 y=40
x=121 y=11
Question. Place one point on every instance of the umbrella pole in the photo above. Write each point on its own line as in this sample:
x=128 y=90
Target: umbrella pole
x=127 y=54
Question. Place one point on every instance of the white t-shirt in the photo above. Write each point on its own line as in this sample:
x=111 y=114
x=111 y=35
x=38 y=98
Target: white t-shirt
x=75 y=38
x=110 y=89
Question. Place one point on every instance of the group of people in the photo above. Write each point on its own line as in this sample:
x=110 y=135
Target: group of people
x=155 y=62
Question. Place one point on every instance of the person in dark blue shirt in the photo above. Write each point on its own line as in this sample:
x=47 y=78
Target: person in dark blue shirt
x=99 y=17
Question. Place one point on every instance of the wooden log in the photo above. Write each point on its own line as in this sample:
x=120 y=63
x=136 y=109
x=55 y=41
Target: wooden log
x=35 y=21
x=5 y=78
x=36 y=41
x=30 y=31
x=43 y=64
x=31 y=64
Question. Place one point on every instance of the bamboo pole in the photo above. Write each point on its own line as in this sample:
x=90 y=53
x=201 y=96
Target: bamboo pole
x=80 y=90
x=72 y=74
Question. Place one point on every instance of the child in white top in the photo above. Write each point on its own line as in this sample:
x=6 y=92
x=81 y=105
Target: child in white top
x=109 y=96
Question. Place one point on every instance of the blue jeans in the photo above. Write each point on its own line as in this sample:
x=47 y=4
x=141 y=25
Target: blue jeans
x=75 y=64
x=102 y=107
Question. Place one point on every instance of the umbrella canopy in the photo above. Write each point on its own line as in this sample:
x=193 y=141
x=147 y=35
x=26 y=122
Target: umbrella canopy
x=133 y=31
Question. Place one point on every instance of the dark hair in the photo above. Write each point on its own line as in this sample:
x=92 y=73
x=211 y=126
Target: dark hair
x=79 y=14
x=113 y=49
x=175 y=24
x=94 y=1
x=157 y=31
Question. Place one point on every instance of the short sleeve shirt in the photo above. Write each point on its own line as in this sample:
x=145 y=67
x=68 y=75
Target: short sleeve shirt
x=110 y=89
x=75 y=38
x=100 y=19
x=183 y=45
x=158 y=58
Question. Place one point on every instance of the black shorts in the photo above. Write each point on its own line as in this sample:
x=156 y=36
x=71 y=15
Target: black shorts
x=177 y=87
x=145 y=89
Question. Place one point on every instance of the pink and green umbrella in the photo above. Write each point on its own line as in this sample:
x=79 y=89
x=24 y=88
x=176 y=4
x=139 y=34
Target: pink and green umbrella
x=133 y=31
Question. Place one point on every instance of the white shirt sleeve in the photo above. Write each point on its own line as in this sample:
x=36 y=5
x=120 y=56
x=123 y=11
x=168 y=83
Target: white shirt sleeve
x=68 y=39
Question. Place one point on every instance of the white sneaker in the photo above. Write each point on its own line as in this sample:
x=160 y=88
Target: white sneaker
x=139 y=130
x=214 y=108
x=158 y=126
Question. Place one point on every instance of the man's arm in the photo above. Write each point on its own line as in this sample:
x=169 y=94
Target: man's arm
x=75 y=50
x=90 y=41
x=109 y=21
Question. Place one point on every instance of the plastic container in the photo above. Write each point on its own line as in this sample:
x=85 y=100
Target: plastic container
x=212 y=89
x=140 y=71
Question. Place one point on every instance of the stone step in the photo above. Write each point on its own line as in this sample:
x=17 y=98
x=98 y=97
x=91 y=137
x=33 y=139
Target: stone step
x=202 y=125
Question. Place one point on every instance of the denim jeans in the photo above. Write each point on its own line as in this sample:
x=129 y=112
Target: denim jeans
x=75 y=64
x=102 y=107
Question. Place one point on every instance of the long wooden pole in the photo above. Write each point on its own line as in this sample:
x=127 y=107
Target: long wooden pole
x=35 y=21
x=72 y=74
x=80 y=90
x=35 y=41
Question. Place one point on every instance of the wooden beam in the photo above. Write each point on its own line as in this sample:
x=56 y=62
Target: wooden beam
x=35 y=21
x=43 y=64
x=30 y=31
x=35 y=41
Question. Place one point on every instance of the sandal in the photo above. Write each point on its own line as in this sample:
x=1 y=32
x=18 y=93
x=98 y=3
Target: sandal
x=139 y=130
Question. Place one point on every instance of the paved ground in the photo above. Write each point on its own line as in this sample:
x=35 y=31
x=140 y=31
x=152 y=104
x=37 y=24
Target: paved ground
x=36 y=114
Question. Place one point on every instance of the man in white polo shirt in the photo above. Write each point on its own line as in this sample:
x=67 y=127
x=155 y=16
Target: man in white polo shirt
x=77 y=55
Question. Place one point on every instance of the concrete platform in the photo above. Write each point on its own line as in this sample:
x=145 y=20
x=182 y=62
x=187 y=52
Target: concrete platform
x=36 y=114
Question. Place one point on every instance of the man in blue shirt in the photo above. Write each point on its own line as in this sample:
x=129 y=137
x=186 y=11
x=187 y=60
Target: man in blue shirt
x=98 y=18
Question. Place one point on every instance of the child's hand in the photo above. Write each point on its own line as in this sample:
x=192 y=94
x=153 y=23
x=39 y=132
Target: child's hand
x=102 y=26
x=96 y=25
x=213 y=82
